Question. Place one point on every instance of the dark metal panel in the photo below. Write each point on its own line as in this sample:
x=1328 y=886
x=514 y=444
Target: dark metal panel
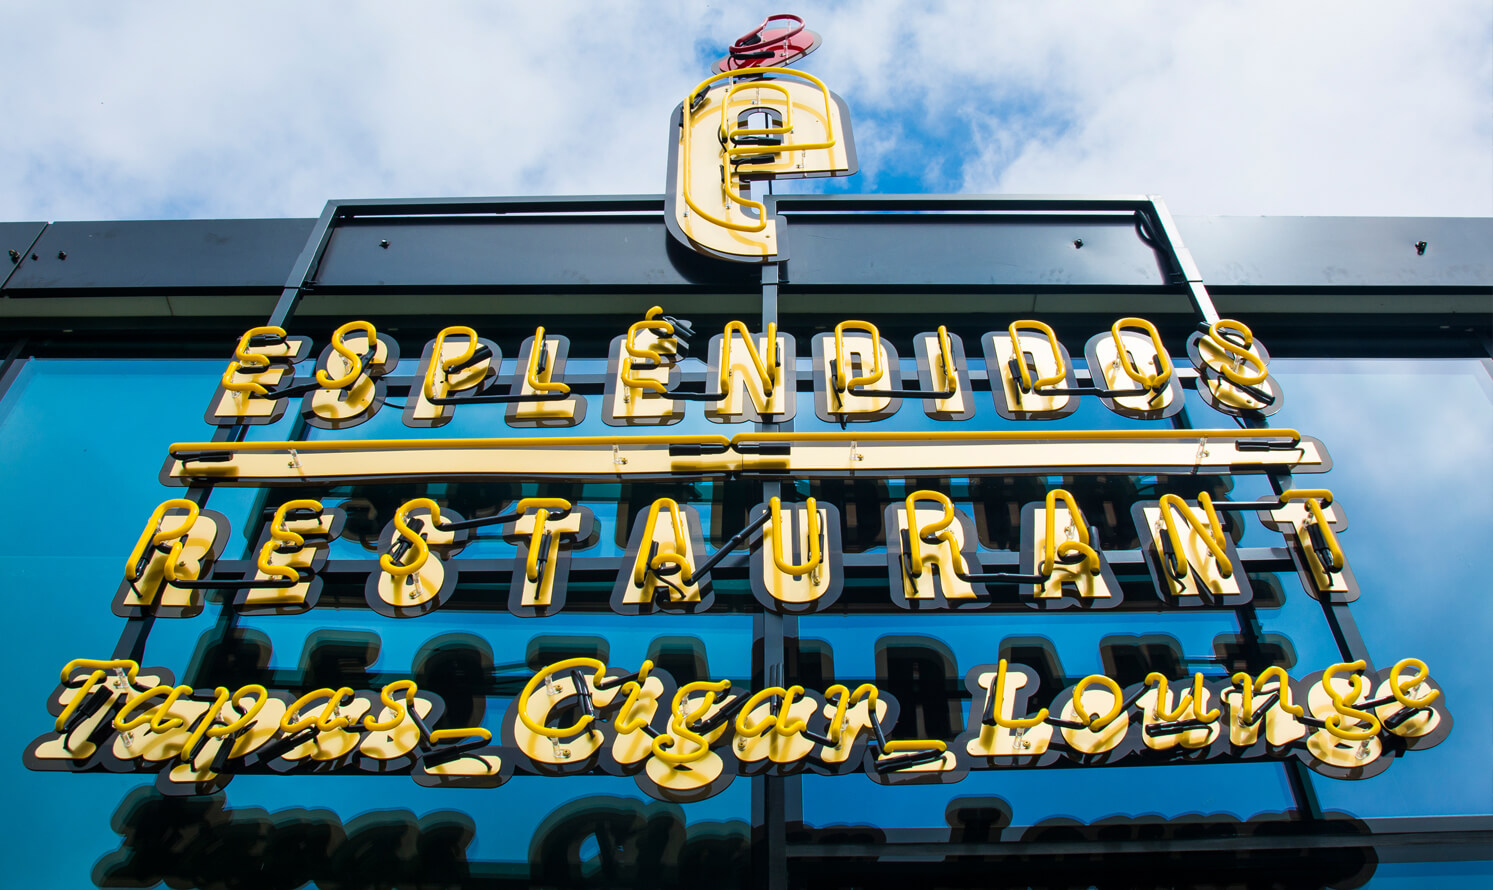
x=1340 y=251
x=16 y=239
x=156 y=256
x=877 y=249
x=549 y=252
x=1013 y=251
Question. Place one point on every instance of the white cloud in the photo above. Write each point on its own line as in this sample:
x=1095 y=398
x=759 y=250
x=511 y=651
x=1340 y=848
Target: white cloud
x=187 y=109
x=1353 y=109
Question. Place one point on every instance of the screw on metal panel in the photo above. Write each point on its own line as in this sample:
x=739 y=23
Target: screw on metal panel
x=384 y=244
x=61 y=254
x=1077 y=242
x=1420 y=248
x=14 y=257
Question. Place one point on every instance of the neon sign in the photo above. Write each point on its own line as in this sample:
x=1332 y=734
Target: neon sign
x=750 y=377
x=686 y=741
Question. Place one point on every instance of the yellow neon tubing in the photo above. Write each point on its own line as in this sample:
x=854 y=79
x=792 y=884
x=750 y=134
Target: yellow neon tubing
x=252 y=361
x=665 y=330
x=399 y=708
x=687 y=142
x=915 y=745
x=1000 y=697
x=1400 y=689
x=729 y=132
x=843 y=382
x=1249 y=687
x=1212 y=534
x=1080 y=546
x=1206 y=716
x=130 y=668
x=560 y=505
x=542 y=506
x=252 y=386
x=815 y=557
x=642 y=565
x=353 y=359
x=1315 y=498
x=680 y=724
x=204 y=723
x=417 y=544
x=292 y=721
x=279 y=534
x=1018 y=435
x=532 y=375
x=1228 y=347
x=597 y=668
x=261 y=695
x=160 y=717
x=1191 y=700
x=1343 y=704
x=632 y=381
x=938 y=528
x=1152 y=382
x=769 y=69
x=1061 y=368
x=846 y=700
x=752 y=730
x=650 y=322
x=1098 y=724
x=783 y=725
x=946 y=359
x=249 y=362
x=274 y=570
x=154 y=535
x=536 y=543
x=1307 y=494
x=762 y=363
x=315 y=446
x=468 y=732
x=444 y=365
x=626 y=723
x=557 y=442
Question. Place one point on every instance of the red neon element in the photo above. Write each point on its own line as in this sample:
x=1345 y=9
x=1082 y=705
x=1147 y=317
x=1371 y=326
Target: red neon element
x=764 y=46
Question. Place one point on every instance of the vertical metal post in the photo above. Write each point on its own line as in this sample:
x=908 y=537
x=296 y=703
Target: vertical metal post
x=305 y=265
x=10 y=369
x=772 y=791
x=132 y=639
x=1192 y=277
x=1344 y=630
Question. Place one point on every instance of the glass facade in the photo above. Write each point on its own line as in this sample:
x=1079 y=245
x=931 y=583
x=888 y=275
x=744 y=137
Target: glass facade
x=1406 y=421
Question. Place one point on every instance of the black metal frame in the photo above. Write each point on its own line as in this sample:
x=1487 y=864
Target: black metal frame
x=777 y=801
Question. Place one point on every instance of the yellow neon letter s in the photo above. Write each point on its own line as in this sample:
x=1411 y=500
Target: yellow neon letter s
x=666 y=746
x=354 y=361
x=1233 y=371
x=386 y=695
x=420 y=551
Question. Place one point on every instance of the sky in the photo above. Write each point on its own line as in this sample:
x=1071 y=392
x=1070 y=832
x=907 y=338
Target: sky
x=266 y=109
